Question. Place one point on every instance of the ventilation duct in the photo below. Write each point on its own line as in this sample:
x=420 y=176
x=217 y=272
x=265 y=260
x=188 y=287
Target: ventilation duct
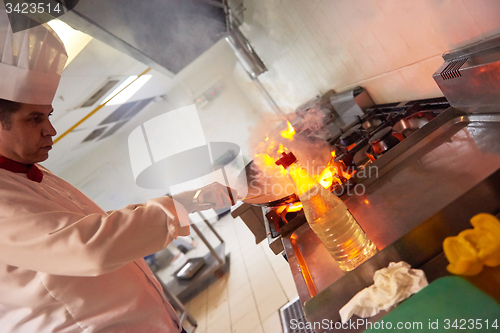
x=245 y=53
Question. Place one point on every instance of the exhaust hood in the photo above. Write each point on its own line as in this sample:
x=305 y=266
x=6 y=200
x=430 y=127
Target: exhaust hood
x=470 y=76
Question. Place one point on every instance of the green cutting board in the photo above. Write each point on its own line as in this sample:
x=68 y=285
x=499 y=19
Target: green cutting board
x=449 y=304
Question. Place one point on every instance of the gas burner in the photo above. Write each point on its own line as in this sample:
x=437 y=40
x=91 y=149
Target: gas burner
x=381 y=142
x=381 y=128
x=371 y=124
x=284 y=218
x=350 y=138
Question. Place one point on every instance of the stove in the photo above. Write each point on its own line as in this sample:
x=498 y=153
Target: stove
x=437 y=166
x=381 y=128
x=355 y=147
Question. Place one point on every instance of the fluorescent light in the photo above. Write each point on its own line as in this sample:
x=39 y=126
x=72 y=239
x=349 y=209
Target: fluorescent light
x=128 y=92
x=74 y=40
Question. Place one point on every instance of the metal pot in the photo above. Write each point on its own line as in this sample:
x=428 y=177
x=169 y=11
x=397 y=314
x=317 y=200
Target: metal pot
x=371 y=124
x=383 y=140
x=407 y=126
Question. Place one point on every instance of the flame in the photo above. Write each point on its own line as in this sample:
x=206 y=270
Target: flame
x=271 y=149
x=347 y=175
x=290 y=208
x=266 y=159
x=351 y=146
x=329 y=176
x=326 y=178
x=295 y=207
x=280 y=209
x=332 y=174
x=289 y=133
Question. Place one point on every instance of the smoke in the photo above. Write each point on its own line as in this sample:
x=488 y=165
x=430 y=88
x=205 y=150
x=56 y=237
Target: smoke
x=307 y=144
x=314 y=121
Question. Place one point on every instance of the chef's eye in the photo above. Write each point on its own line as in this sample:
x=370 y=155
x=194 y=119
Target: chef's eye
x=36 y=119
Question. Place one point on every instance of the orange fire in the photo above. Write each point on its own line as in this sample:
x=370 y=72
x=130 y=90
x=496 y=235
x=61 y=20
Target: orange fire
x=272 y=154
x=295 y=207
x=265 y=158
x=290 y=208
x=288 y=133
x=333 y=174
x=281 y=149
x=329 y=176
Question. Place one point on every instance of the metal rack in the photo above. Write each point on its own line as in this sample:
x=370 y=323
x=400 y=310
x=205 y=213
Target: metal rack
x=216 y=266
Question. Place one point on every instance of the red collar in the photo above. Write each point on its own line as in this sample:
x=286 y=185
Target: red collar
x=31 y=170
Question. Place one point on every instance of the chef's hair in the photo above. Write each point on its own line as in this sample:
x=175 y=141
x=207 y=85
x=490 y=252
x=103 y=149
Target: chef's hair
x=7 y=109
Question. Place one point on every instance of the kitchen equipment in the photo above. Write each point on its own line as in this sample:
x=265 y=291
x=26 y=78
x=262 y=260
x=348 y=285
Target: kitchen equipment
x=328 y=216
x=468 y=77
x=245 y=53
x=351 y=136
x=383 y=140
x=330 y=289
x=422 y=190
x=199 y=273
x=371 y=124
x=270 y=200
x=254 y=197
x=279 y=220
x=265 y=189
x=351 y=104
x=409 y=125
x=446 y=304
x=189 y=269
x=356 y=154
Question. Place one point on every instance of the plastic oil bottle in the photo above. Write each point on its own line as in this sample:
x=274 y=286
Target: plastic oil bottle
x=329 y=217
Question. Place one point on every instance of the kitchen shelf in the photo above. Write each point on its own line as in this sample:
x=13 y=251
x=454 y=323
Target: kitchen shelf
x=216 y=266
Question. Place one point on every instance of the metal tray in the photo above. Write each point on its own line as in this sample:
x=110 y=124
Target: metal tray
x=189 y=269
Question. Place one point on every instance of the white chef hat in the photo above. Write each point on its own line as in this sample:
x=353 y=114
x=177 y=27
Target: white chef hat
x=31 y=63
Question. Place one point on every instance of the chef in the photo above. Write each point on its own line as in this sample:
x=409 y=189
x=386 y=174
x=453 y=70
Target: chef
x=65 y=264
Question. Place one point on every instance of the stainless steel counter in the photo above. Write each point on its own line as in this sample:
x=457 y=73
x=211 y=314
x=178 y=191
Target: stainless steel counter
x=436 y=180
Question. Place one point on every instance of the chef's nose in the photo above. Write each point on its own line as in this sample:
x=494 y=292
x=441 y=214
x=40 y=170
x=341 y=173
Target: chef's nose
x=48 y=129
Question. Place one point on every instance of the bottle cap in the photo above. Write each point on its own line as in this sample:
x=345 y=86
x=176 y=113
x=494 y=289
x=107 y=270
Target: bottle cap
x=286 y=160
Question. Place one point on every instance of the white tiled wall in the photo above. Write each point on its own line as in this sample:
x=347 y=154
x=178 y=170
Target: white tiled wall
x=389 y=47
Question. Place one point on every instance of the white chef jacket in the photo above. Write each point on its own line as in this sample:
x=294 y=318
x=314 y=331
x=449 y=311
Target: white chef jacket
x=68 y=266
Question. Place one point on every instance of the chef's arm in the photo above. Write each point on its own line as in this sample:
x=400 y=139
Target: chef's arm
x=39 y=235
x=58 y=242
x=213 y=196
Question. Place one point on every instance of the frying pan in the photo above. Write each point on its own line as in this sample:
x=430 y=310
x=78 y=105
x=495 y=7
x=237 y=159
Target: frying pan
x=266 y=189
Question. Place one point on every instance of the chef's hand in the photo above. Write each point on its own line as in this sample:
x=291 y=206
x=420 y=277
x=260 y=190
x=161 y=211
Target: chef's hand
x=213 y=196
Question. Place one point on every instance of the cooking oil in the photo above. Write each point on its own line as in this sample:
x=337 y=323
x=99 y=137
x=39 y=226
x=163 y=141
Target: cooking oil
x=329 y=218
x=337 y=229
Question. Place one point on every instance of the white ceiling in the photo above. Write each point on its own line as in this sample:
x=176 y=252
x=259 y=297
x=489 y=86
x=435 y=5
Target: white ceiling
x=87 y=73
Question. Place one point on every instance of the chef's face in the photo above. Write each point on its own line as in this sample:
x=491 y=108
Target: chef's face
x=29 y=138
